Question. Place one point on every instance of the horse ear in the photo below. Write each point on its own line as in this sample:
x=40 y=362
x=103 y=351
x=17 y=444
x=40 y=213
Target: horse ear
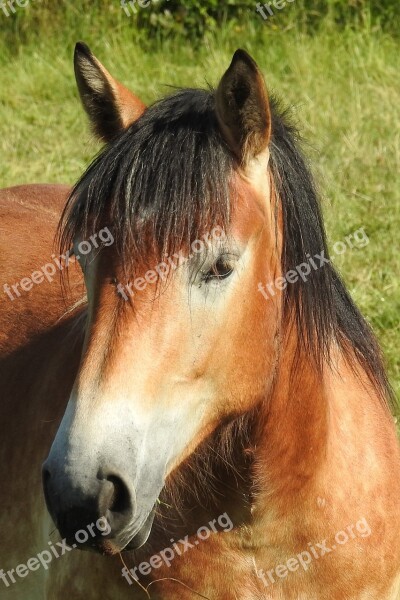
x=110 y=105
x=243 y=109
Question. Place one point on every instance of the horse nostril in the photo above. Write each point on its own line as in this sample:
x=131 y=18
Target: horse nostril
x=46 y=476
x=115 y=497
x=121 y=499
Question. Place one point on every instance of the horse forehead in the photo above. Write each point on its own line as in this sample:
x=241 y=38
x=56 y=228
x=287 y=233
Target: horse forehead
x=251 y=209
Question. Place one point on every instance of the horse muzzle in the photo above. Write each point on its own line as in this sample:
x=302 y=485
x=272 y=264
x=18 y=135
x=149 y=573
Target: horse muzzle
x=103 y=516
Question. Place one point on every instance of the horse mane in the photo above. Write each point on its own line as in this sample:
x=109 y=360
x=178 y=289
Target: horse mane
x=168 y=178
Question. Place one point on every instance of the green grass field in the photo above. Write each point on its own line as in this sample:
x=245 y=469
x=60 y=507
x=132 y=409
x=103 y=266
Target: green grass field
x=342 y=84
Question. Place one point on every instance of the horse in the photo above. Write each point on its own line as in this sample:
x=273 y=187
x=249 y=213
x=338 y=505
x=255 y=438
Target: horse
x=199 y=437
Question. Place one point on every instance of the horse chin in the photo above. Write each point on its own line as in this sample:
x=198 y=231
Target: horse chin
x=143 y=534
x=112 y=546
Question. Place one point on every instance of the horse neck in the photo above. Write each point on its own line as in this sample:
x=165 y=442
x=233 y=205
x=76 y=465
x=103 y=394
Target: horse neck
x=314 y=431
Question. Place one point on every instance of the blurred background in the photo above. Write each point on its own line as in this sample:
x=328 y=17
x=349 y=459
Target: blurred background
x=334 y=63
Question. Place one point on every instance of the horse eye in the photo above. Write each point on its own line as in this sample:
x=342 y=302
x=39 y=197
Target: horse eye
x=220 y=270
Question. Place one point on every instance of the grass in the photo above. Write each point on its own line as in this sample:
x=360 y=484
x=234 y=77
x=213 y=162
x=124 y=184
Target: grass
x=343 y=87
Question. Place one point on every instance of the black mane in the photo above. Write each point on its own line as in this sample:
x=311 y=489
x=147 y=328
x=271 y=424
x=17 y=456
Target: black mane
x=170 y=174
